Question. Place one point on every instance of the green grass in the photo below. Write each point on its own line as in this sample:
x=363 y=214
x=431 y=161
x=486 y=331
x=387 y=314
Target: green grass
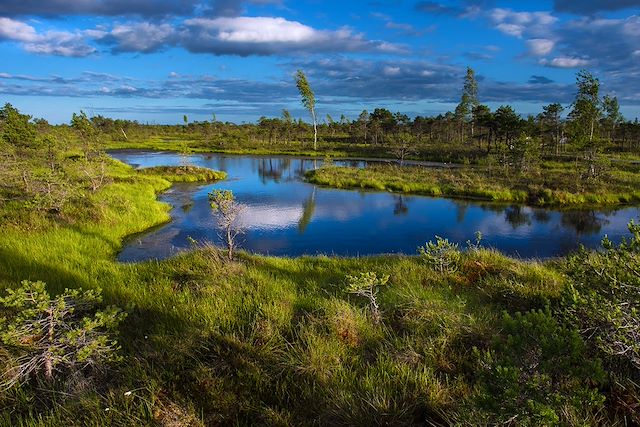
x=554 y=185
x=275 y=341
x=184 y=173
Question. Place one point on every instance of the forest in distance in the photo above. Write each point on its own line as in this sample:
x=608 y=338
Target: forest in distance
x=454 y=334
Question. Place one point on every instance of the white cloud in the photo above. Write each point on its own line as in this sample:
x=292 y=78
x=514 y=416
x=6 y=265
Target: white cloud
x=518 y=23
x=255 y=30
x=566 y=62
x=140 y=36
x=540 y=47
x=61 y=43
x=265 y=36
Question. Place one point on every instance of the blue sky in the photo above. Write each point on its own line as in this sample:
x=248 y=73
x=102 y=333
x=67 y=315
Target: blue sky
x=155 y=60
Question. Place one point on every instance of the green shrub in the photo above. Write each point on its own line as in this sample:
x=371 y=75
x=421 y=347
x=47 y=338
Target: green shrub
x=443 y=256
x=367 y=285
x=44 y=337
x=604 y=300
x=536 y=372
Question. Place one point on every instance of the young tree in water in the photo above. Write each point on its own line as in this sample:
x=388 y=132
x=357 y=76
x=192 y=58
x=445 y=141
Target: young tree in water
x=309 y=102
x=228 y=209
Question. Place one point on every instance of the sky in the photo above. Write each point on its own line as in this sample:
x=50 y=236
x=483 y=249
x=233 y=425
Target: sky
x=157 y=60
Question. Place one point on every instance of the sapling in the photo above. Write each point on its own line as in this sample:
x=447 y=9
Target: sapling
x=442 y=255
x=45 y=336
x=228 y=209
x=367 y=285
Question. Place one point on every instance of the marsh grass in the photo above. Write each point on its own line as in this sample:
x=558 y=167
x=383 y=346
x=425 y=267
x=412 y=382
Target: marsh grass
x=274 y=341
x=554 y=185
x=186 y=173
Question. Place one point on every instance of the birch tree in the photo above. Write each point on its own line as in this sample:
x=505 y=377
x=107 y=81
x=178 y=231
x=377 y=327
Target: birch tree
x=309 y=102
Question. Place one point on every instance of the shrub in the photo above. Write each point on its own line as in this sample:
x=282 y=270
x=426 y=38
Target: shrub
x=47 y=337
x=604 y=300
x=536 y=372
x=367 y=285
x=443 y=256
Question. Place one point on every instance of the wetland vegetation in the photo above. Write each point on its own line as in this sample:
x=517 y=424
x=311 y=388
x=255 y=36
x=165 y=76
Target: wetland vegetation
x=455 y=335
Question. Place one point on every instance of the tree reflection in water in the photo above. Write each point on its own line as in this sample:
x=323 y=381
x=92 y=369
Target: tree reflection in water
x=517 y=216
x=400 y=207
x=583 y=222
x=308 y=209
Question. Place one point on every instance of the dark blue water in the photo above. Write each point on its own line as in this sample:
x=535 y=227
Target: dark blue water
x=285 y=216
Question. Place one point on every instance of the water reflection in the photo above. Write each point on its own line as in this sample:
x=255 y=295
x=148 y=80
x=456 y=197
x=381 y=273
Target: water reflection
x=308 y=209
x=517 y=216
x=584 y=222
x=400 y=207
x=285 y=216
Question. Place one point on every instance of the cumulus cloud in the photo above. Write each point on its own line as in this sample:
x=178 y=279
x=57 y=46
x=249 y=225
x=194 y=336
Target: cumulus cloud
x=589 y=7
x=266 y=36
x=142 y=37
x=61 y=43
x=517 y=23
x=242 y=36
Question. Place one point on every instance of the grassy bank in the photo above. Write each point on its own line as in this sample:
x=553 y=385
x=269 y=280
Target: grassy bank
x=553 y=185
x=278 y=341
x=184 y=173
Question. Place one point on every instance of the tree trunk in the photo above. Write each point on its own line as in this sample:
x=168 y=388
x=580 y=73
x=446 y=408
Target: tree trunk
x=229 y=244
x=48 y=362
x=315 y=132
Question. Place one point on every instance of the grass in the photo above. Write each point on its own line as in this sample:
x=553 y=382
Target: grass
x=276 y=341
x=554 y=185
x=184 y=173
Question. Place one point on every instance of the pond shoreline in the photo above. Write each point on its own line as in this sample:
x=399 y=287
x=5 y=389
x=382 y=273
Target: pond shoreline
x=289 y=217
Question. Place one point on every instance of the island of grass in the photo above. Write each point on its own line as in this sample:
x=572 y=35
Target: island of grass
x=186 y=173
x=553 y=184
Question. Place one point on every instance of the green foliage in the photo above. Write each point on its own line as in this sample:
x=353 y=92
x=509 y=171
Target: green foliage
x=443 y=256
x=223 y=203
x=586 y=110
x=16 y=129
x=184 y=173
x=537 y=184
x=308 y=101
x=604 y=301
x=306 y=93
x=523 y=155
x=469 y=99
x=84 y=127
x=46 y=337
x=527 y=373
x=368 y=285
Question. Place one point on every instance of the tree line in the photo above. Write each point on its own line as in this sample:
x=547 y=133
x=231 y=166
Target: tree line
x=591 y=124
